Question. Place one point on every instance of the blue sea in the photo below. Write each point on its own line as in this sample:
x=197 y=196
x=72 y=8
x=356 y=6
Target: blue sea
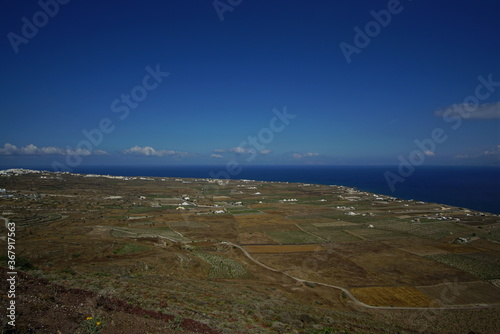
x=473 y=187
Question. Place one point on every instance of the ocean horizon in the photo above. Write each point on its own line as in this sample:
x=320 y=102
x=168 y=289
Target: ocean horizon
x=472 y=187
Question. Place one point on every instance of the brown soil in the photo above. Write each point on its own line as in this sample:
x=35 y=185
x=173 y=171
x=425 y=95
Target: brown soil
x=44 y=307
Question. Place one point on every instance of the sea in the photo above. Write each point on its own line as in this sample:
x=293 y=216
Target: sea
x=472 y=187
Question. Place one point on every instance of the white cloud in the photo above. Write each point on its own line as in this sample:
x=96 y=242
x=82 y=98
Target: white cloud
x=482 y=111
x=151 y=152
x=29 y=149
x=79 y=151
x=304 y=155
x=220 y=150
x=494 y=151
x=9 y=149
x=429 y=153
x=265 y=152
x=239 y=150
x=52 y=150
x=488 y=155
x=216 y=156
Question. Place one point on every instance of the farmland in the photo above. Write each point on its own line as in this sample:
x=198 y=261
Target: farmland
x=394 y=296
x=463 y=293
x=242 y=262
x=272 y=249
x=480 y=266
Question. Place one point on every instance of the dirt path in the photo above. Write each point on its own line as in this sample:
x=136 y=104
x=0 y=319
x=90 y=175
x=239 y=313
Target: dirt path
x=351 y=296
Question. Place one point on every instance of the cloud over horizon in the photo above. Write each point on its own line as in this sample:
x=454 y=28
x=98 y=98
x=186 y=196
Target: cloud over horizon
x=10 y=149
x=304 y=155
x=492 y=155
x=148 y=151
x=481 y=111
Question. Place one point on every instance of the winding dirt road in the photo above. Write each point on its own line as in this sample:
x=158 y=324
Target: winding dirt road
x=351 y=296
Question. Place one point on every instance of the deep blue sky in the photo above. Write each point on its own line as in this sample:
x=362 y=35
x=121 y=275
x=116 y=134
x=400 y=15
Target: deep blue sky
x=226 y=77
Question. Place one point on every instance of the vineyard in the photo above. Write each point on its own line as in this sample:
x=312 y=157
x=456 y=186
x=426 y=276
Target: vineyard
x=479 y=267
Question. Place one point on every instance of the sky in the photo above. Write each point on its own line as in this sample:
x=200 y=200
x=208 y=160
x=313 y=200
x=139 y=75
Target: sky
x=257 y=82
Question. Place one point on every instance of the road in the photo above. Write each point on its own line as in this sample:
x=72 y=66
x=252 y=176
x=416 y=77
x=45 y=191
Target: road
x=351 y=296
x=347 y=292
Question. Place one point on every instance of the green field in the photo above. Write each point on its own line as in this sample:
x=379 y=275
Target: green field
x=480 y=265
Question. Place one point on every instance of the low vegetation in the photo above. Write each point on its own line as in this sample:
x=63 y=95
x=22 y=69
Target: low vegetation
x=223 y=267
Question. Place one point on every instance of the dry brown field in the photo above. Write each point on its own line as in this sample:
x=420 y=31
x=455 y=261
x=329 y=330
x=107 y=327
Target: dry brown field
x=393 y=296
x=248 y=223
x=424 y=250
x=463 y=293
x=278 y=249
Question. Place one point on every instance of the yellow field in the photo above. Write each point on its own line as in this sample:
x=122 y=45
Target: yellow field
x=393 y=296
x=284 y=249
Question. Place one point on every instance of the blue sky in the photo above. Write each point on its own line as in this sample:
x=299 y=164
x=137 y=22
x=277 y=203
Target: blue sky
x=232 y=79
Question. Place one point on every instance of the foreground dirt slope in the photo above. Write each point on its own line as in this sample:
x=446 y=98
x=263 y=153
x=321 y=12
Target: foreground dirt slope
x=166 y=255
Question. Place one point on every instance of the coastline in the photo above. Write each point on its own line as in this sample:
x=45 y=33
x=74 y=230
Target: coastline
x=467 y=187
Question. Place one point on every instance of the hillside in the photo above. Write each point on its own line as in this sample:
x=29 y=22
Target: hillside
x=167 y=255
